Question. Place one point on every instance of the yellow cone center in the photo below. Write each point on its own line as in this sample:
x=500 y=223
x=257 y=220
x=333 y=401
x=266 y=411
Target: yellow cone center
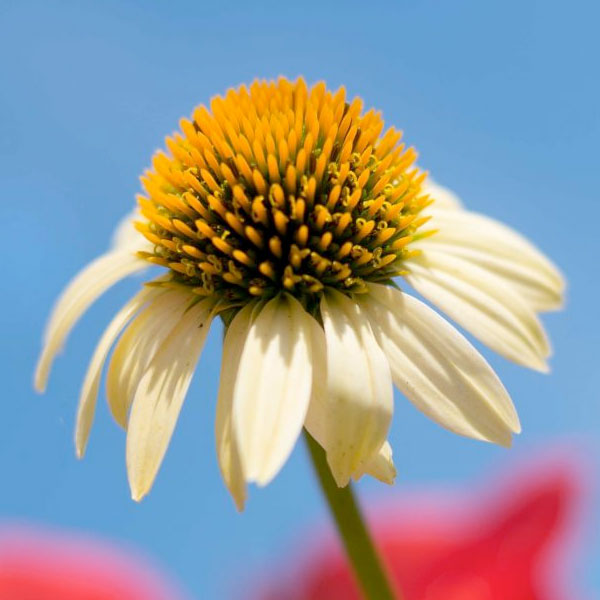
x=281 y=187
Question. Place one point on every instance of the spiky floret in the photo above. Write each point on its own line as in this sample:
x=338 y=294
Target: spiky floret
x=282 y=187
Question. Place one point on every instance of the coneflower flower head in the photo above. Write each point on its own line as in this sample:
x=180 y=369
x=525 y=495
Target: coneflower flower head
x=289 y=211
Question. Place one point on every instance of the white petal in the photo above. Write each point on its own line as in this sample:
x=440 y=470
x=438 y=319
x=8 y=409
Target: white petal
x=317 y=419
x=272 y=387
x=359 y=403
x=89 y=391
x=500 y=249
x=482 y=303
x=533 y=285
x=87 y=286
x=160 y=395
x=127 y=237
x=137 y=347
x=227 y=447
x=442 y=196
x=381 y=466
x=438 y=369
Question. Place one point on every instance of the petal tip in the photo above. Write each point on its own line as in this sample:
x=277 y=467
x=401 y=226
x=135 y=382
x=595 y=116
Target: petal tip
x=392 y=476
x=263 y=479
x=40 y=378
x=535 y=361
x=137 y=495
x=543 y=367
x=340 y=476
x=138 y=483
x=515 y=423
x=39 y=387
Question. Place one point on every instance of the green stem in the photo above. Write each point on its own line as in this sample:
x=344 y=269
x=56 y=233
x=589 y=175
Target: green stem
x=364 y=559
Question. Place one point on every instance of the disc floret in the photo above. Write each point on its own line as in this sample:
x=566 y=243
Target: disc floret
x=281 y=187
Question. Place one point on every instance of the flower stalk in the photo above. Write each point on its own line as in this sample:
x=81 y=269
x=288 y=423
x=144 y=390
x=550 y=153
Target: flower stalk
x=364 y=559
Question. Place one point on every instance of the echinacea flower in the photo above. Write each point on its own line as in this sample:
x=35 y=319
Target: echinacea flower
x=289 y=213
x=514 y=541
x=40 y=565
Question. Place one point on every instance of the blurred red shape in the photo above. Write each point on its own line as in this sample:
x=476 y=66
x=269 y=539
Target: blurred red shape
x=512 y=542
x=38 y=565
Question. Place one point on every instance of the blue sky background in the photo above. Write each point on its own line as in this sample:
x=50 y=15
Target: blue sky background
x=501 y=100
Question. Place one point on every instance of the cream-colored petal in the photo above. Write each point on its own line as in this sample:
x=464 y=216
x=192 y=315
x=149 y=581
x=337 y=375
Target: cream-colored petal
x=438 y=369
x=272 y=387
x=541 y=292
x=501 y=250
x=381 y=466
x=87 y=286
x=91 y=383
x=481 y=303
x=160 y=395
x=127 y=237
x=227 y=447
x=138 y=345
x=317 y=416
x=442 y=196
x=359 y=403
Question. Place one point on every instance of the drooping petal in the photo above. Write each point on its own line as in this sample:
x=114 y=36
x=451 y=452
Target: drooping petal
x=501 y=250
x=357 y=409
x=381 y=466
x=272 y=387
x=89 y=390
x=481 y=303
x=317 y=418
x=438 y=369
x=160 y=395
x=87 y=286
x=137 y=346
x=228 y=452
